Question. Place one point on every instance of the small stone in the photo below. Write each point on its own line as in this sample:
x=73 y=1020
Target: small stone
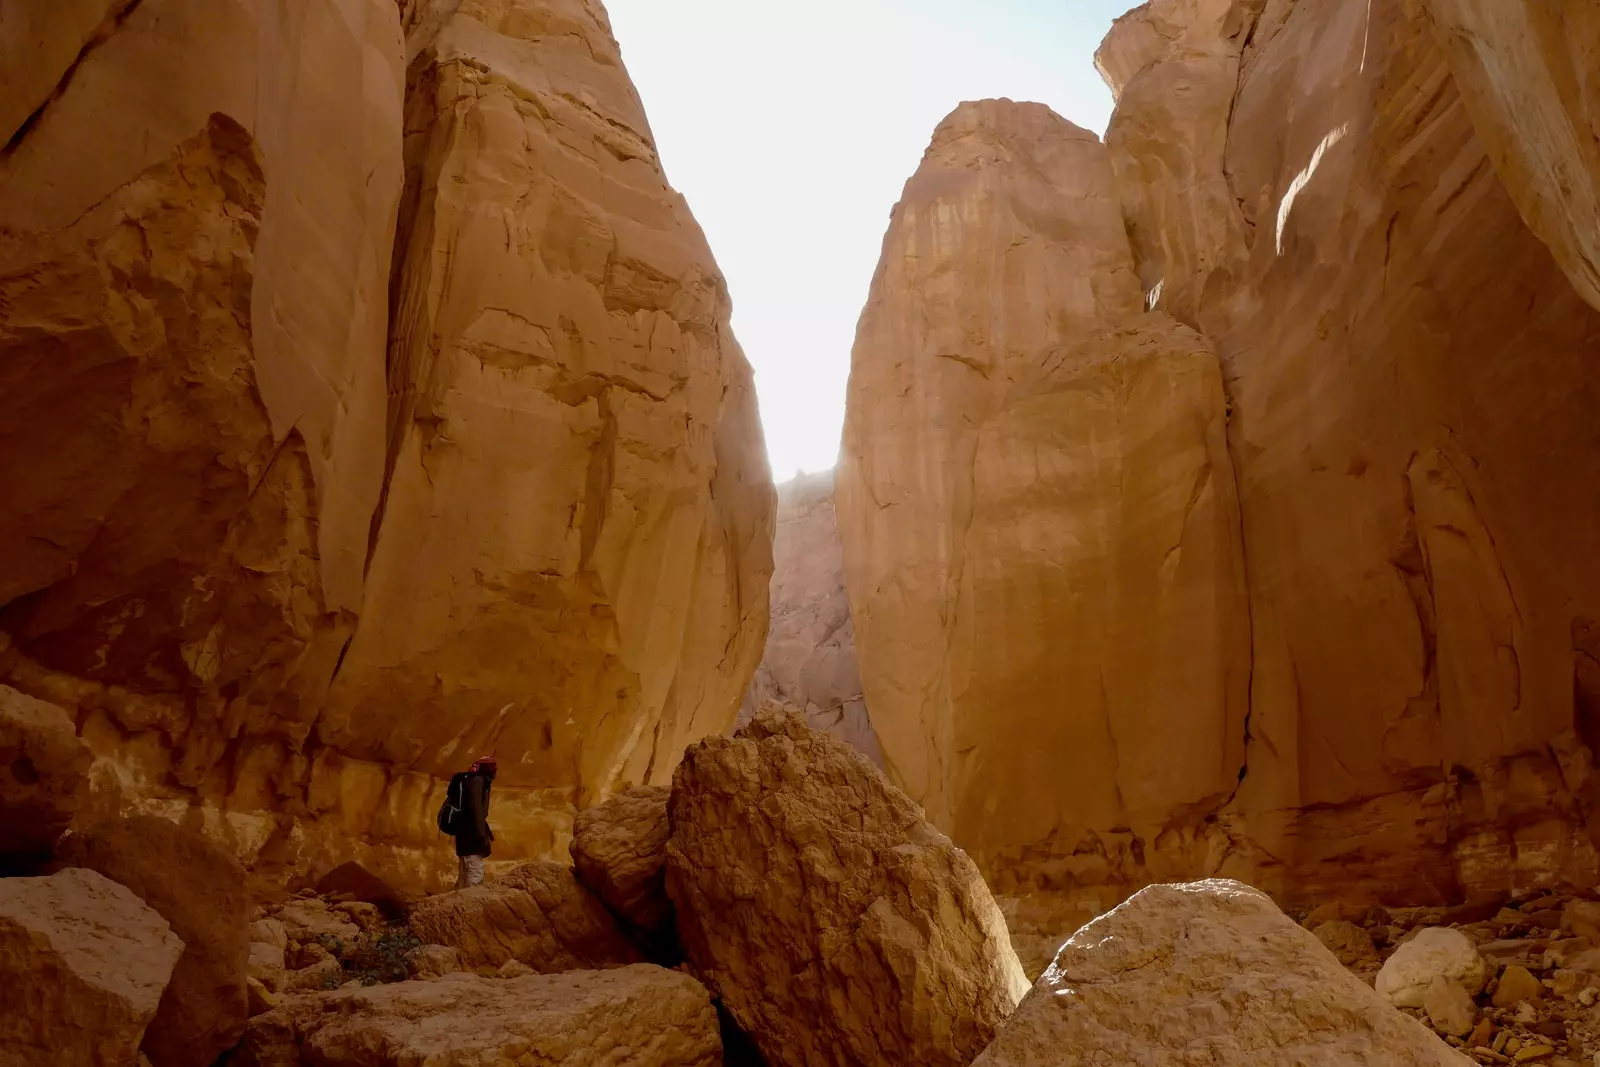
x=1502 y=1039
x=262 y=999
x=1582 y=918
x=325 y=975
x=1482 y=1034
x=1516 y=985
x=266 y=965
x=431 y=961
x=1348 y=942
x=1587 y=997
x=1570 y=983
x=514 y=969
x=1450 y=1010
x=269 y=932
x=1552 y=1028
x=1533 y=1052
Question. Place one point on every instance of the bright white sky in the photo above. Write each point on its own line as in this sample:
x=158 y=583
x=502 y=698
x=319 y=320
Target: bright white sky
x=791 y=128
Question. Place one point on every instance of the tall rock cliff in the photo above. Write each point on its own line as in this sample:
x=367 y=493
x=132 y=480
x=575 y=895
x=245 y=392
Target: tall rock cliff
x=300 y=509
x=1370 y=669
x=1038 y=509
x=810 y=660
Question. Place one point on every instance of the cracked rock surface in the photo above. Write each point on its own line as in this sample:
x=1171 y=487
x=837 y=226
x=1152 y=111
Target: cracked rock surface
x=831 y=920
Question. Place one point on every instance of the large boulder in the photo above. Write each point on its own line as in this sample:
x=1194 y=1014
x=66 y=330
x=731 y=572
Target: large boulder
x=352 y=881
x=42 y=773
x=619 y=850
x=1209 y=972
x=537 y=914
x=200 y=890
x=83 y=962
x=834 y=923
x=640 y=1016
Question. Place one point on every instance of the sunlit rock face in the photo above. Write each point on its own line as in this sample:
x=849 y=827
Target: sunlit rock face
x=1379 y=677
x=1039 y=519
x=304 y=508
x=1529 y=73
x=810 y=660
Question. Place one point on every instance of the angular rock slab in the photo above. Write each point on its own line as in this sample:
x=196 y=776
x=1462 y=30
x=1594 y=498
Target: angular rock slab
x=83 y=962
x=1206 y=972
x=835 y=924
x=640 y=1016
x=538 y=914
x=200 y=890
x=619 y=850
x=43 y=768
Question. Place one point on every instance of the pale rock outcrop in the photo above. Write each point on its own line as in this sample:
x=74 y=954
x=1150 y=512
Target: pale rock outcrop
x=1409 y=383
x=638 y=1016
x=619 y=851
x=1526 y=71
x=1207 y=972
x=538 y=914
x=833 y=923
x=235 y=412
x=1041 y=536
x=1437 y=952
x=200 y=890
x=43 y=774
x=83 y=962
x=810 y=660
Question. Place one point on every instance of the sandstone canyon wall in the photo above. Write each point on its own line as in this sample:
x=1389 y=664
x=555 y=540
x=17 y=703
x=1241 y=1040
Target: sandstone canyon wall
x=1215 y=499
x=302 y=506
x=810 y=660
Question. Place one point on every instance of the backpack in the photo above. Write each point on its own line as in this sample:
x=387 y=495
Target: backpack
x=455 y=803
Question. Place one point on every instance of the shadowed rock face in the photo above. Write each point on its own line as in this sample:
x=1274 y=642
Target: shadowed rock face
x=809 y=664
x=1363 y=664
x=304 y=509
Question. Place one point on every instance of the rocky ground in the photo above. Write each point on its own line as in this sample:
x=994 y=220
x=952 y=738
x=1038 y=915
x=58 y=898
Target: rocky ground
x=781 y=905
x=1517 y=983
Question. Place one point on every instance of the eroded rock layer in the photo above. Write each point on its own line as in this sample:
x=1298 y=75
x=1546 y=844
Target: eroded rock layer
x=300 y=510
x=809 y=664
x=1370 y=671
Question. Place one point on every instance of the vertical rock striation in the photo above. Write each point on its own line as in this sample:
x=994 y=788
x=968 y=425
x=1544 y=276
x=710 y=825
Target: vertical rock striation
x=301 y=508
x=1370 y=670
x=1040 y=528
x=809 y=663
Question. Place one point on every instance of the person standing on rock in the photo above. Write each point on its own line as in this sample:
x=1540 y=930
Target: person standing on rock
x=465 y=816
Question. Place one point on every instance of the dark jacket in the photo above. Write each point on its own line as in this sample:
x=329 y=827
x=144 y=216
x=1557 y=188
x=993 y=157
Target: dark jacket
x=474 y=835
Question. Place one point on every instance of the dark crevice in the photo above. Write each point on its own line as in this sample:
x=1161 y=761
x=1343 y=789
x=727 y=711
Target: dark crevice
x=108 y=27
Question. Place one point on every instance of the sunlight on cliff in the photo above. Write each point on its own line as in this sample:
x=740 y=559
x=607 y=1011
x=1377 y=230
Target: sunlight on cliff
x=1303 y=179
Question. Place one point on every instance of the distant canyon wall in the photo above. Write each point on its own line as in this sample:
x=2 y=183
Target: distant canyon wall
x=369 y=403
x=1215 y=499
x=810 y=660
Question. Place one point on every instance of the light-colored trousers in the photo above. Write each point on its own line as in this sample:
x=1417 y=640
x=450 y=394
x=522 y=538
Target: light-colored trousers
x=469 y=871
